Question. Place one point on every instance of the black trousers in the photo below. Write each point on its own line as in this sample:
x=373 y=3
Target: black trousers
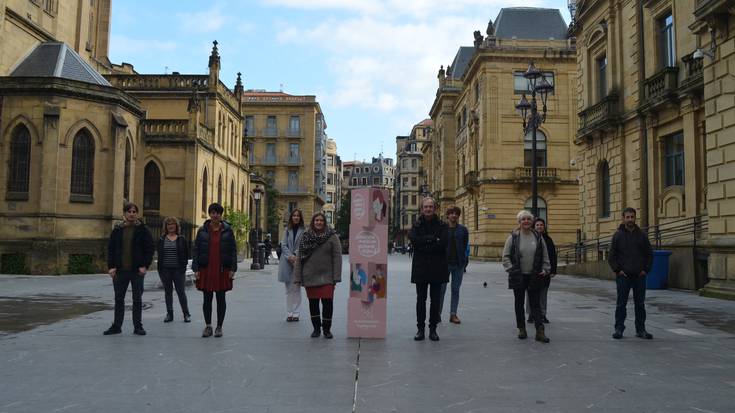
x=534 y=300
x=174 y=278
x=327 y=307
x=221 y=307
x=120 y=283
x=638 y=285
x=435 y=295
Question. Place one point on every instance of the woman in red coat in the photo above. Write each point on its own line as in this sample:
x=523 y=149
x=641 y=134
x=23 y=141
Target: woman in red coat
x=214 y=262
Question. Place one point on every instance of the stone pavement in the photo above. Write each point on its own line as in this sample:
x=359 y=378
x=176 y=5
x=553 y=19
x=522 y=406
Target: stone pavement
x=264 y=364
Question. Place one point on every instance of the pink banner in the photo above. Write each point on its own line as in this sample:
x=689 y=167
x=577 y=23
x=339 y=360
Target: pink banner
x=367 y=305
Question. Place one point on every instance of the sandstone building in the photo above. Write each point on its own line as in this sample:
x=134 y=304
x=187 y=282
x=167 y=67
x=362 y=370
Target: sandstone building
x=410 y=180
x=478 y=156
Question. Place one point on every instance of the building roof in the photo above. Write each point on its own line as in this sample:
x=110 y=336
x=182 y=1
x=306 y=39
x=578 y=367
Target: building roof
x=461 y=60
x=530 y=23
x=56 y=59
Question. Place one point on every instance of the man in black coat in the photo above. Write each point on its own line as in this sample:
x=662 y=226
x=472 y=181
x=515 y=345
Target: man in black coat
x=129 y=254
x=630 y=258
x=429 y=267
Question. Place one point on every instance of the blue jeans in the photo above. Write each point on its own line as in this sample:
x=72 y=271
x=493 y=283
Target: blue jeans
x=638 y=285
x=457 y=273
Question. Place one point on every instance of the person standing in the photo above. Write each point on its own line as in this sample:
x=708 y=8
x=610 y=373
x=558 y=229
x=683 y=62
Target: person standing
x=173 y=255
x=129 y=254
x=630 y=258
x=268 y=244
x=214 y=262
x=539 y=225
x=319 y=269
x=289 y=254
x=458 y=241
x=526 y=259
x=429 y=268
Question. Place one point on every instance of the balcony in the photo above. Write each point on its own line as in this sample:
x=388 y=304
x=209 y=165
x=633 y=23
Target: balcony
x=165 y=128
x=294 y=161
x=470 y=180
x=293 y=132
x=599 y=117
x=523 y=174
x=270 y=132
x=250 y=132
x=293 y=190
x=270 y=160
x=694 y=79
x=661 y=87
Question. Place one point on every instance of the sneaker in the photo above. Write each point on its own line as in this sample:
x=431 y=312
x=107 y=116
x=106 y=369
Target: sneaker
x=207 y=332
x=289 y=319
x=644 y=335
x=187 y=318
x=295 y=318
x=618 y=334
x=112 y=330
x=139 y=331
x=218 y=332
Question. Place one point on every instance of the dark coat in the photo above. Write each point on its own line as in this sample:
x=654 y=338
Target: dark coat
x=462 y=239
x=551 y=249
x=630 y=251
x=227 y=248
x=182 y=250
x=142 y=246
x=429 y=239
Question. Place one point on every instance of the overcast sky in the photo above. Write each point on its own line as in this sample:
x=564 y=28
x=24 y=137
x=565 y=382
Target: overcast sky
x=371 y=63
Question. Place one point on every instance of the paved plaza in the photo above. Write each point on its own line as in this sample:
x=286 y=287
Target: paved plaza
x=263 y=364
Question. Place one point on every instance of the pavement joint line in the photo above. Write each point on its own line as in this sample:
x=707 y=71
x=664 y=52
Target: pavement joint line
x=357 y=376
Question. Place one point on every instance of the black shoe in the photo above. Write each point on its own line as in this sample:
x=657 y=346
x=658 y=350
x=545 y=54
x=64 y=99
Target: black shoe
x=432 y=335
x=644 y=335
x=112 y=330
x=316 y=333
x=545 y=320
x=419 y=335
x=328 y=334
x=139 y=331
x=327 y=328
x=169 y=318
x=187 y=318
x=618 y=334
x=316 y=322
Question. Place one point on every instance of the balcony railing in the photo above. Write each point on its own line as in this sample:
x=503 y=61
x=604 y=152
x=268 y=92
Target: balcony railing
x=250 y=132
x=293 y=160
x=293 y=132
x=270 y=132
x=524 y=174
x=662 y=85
x=270 y=160
x=694 y=79
x=293 y=189
x=165 y=127
x=470 y=179
x=600 y=115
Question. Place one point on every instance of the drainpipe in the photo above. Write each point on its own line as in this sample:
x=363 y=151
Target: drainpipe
x=641 y=118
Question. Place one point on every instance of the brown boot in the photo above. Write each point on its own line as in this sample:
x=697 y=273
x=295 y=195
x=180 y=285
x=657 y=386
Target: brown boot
x=454 y=319
x=540 y=334
x=522 y=334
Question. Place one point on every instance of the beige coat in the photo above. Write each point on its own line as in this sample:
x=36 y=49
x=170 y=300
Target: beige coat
x=323 y=267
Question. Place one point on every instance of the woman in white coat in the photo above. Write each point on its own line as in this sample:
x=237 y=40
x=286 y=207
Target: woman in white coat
x=289 y=246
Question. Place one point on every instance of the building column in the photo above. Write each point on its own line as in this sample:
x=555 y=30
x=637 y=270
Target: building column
x=45 y=255
x=691 y=166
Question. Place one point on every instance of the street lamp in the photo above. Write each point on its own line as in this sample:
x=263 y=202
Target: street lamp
x=538 y=85
x=255 y=233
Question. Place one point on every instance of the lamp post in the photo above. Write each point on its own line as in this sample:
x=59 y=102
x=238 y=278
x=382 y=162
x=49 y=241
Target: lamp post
x=538 y=85
x=255 y=233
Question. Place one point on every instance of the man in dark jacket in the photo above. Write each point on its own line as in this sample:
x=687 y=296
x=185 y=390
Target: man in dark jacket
x=429 y=266
x=129 y=254
x=630 y=259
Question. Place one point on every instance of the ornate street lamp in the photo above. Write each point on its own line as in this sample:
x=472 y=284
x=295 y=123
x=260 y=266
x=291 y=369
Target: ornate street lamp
x=538 y=86
x=255 y=232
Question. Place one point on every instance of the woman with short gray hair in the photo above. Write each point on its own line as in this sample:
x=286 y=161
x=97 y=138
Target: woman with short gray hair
x=526 y=260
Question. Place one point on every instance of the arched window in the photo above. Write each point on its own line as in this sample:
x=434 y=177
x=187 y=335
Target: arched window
x=19 y=164
x=82 y=165
x=603 y=191
x=232 y=195
x=219 y=190
x=128 y=158
x=205 y=184
x=540 y=149
x=540 y=204
x=151 y=187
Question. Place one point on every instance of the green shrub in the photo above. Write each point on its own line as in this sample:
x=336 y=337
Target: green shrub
x=81 y=264
x=13 y=264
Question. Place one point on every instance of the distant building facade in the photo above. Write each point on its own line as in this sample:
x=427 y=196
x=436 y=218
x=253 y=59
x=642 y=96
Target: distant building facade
x=410 y=180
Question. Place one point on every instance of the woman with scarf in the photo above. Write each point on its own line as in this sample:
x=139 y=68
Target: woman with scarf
x=287 y=261
x=526 y=260
x=319 y=268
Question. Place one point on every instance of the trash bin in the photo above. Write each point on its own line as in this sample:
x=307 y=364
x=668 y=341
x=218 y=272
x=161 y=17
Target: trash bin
x=657 y=279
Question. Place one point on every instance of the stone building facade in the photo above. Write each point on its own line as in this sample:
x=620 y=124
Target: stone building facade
x=410 y=180
x=333 y=187
x=478 y=157
x=288 y=146
x=643 y=133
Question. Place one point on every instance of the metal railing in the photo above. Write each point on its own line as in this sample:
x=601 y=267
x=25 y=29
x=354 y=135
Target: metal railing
x=270 y=132
x=293 y=132
x=681 y=232
x=544 y=174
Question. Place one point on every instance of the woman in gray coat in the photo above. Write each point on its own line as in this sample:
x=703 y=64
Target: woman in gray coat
x=289 y=249
x=319 y=268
